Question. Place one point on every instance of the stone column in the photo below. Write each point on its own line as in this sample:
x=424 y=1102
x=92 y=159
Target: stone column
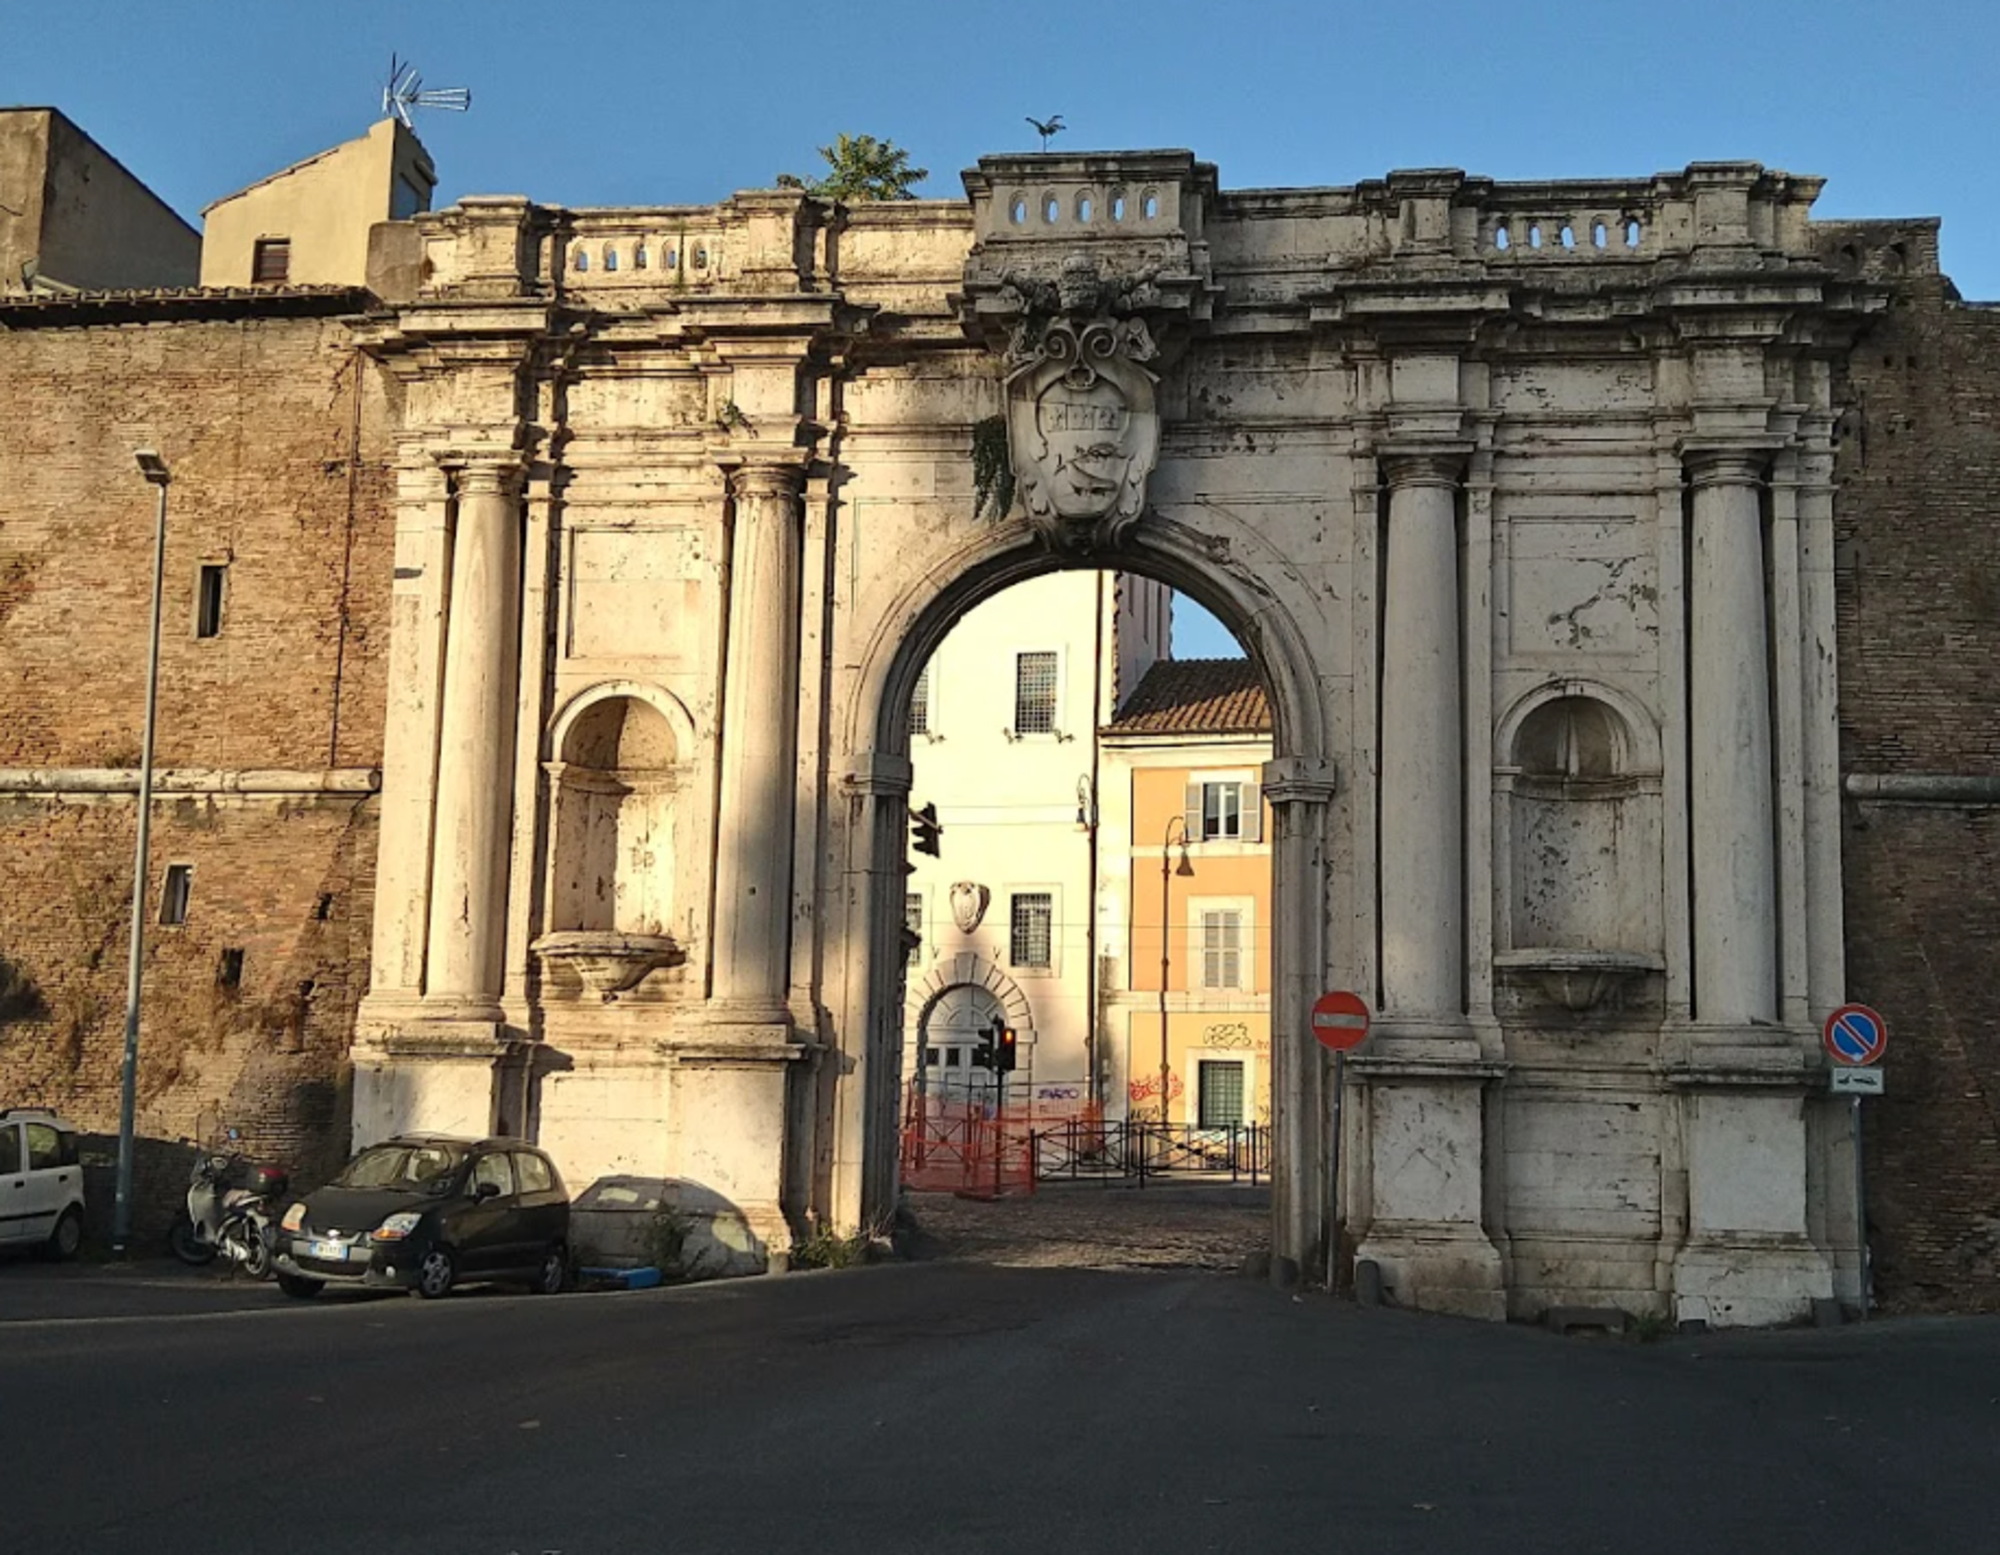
x=475 y=747
x=1729 y=743
x=1422 y=806
x=757 y=801
x=1299 y=792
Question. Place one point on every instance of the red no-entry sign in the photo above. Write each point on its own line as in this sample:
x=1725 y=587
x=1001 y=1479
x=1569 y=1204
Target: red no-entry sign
x=1340 y=1020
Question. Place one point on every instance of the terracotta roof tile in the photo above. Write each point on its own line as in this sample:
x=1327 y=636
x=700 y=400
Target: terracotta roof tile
x=1197 y=696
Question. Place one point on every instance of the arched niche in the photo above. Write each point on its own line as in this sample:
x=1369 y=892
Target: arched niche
x=1578 y=826
x=613 y=791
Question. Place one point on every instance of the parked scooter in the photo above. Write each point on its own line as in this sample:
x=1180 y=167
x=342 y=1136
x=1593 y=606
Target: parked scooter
x=228 y=1221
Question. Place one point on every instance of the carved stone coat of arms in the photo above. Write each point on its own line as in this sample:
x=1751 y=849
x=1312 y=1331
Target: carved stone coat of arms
x=1082 y=430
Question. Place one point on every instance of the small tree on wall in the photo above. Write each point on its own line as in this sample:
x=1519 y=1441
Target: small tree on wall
x=861 y=168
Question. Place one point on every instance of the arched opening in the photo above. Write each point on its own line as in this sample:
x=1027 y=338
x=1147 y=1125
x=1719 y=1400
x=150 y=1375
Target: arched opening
x=1095 y=746
x=1579 y=914
x=611 y=889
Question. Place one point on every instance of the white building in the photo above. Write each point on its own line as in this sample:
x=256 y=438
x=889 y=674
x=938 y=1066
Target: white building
x=1003 y=742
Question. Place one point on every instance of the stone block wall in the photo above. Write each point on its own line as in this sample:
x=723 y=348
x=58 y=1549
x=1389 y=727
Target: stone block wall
x=1917 y=572
x=268 y=732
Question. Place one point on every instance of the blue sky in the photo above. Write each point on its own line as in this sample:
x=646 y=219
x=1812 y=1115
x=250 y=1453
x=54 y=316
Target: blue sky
x=615 y=101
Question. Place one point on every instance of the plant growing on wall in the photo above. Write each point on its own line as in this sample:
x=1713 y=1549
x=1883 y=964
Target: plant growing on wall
x=992 y=468
x=861 y=168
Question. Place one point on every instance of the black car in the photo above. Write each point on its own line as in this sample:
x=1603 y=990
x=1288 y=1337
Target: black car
x=424 y=1211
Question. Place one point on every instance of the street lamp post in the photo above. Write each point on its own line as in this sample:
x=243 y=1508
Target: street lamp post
x=154 y=469
x=1086 y=822
x=1166 y=942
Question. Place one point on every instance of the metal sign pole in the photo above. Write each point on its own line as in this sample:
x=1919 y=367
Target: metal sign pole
x=1333 y=1170
x=1866 y=1270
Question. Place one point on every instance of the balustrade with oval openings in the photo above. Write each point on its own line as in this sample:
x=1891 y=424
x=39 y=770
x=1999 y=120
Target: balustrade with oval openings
x=1585 y=234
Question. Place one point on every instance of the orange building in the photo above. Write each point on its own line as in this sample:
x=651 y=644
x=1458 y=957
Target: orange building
x=1184 y=897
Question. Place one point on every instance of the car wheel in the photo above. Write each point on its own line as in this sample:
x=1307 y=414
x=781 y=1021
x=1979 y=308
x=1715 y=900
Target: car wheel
x=298 y=1285
x=67 y=1237
x=554 y=1272
x=187 y=1244
x=437 y=1274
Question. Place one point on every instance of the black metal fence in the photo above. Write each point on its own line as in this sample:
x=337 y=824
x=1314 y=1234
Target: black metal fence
x=1082 y=1150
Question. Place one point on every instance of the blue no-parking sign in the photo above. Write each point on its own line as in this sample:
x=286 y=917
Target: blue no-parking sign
x=1855 y=1034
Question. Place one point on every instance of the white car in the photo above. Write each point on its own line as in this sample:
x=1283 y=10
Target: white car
x=41 y=1182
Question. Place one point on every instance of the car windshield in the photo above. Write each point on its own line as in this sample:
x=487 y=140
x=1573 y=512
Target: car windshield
x=428 y=1168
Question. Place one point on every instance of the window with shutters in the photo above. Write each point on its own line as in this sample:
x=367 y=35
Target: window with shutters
x=1223 y=808
x=1035 y=693
x=1219 y=1089
x=1221 y=930
x=1031 y=930
x=271 y=262
x=920 y=704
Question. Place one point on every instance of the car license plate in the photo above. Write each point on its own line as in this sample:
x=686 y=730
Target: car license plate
x=335 y=1252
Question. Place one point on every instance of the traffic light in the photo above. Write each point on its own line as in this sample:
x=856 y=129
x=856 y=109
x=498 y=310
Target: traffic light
x=1004 y=1050
x=924 y=830
x=982 y=1053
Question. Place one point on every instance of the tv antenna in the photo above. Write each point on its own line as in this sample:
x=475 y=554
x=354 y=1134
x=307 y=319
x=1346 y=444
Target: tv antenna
x=406 y=90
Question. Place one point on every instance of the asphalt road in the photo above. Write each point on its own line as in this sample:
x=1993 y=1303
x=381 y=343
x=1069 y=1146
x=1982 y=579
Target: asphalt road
x=953 y=1407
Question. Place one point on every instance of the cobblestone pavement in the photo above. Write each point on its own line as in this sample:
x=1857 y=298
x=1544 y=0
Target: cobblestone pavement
x=1087 y=1226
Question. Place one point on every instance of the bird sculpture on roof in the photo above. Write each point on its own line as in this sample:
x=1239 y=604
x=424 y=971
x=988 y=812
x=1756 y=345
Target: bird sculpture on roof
x=1053 y=125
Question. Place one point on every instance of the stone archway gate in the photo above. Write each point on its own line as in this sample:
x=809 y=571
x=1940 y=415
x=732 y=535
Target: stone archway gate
x=1440 y=451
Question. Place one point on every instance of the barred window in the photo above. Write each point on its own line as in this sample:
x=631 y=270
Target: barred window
x=1034 y=693
x=1030 y=942
x=920 y=704
x=1220 y=1093
x=1221 y=948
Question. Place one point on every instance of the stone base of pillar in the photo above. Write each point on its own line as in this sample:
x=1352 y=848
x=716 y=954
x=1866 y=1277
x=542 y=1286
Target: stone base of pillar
x=1749 y=1281
x=1418 y=1184
x=1438 y=1266
x=729 y=1106
x=438 y=1077
x=1750 y=1055
x=1748 y=1260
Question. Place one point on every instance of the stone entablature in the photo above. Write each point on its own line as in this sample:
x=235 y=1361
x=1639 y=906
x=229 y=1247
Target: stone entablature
x=1437 y=484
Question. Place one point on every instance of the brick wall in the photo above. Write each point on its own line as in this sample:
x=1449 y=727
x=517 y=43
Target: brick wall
x=273 y=428
x=1918 y=579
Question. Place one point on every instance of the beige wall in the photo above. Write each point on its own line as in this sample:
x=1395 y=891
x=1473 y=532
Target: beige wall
x=324 y=206
x=83 y=219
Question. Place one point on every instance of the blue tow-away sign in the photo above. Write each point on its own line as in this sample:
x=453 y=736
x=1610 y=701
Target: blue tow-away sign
x=1855 y=1034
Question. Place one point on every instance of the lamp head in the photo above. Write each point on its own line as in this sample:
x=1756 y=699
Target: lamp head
x=1184 y=868
x=151 y=465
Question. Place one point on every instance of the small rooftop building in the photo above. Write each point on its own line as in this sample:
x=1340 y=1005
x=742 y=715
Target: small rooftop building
x=73 y=219
x=308 y=224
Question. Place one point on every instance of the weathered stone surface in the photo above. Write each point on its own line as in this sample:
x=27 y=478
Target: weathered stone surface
x=1481 y=474
x=1446 y=427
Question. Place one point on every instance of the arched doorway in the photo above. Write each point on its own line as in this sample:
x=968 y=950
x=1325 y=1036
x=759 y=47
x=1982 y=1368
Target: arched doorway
x=1299 y=781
